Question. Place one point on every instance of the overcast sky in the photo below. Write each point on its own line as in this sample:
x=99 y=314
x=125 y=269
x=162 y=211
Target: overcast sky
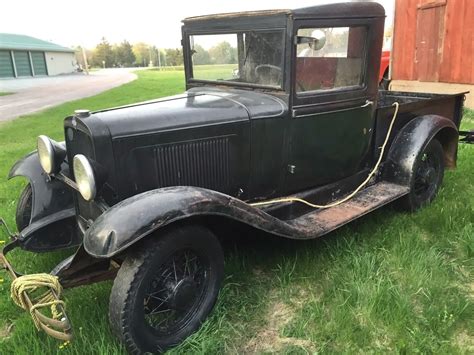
x=85 y=22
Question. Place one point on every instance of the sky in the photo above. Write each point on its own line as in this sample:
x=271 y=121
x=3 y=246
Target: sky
x=85 y=22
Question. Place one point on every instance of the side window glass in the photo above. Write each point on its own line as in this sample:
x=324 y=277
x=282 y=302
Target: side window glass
x=330 y=58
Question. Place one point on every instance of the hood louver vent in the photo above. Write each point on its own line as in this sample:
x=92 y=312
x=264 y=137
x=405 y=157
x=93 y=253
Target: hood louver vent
x=203 y=163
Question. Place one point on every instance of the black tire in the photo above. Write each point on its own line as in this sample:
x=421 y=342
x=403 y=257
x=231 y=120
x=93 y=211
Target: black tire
x=23 y=209
x=428 y=173
x=146 y=289
x=385 y=81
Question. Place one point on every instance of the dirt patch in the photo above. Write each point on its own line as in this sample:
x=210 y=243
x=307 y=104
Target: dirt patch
x=465 y=342
x=6 y=330
x=269 y=339
x=260 y=274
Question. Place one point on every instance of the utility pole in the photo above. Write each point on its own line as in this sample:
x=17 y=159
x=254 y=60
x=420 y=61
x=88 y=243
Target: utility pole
x=84 y=56
x=159 y=59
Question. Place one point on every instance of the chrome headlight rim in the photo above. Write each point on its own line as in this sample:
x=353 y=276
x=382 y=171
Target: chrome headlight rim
x=85 y=182
x=45 y=145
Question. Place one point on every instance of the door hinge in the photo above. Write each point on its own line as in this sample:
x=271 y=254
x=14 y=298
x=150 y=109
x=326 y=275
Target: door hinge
x=291 y=169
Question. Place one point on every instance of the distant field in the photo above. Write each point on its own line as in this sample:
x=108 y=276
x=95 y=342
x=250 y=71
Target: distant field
x=5 y=93
x=389 y=282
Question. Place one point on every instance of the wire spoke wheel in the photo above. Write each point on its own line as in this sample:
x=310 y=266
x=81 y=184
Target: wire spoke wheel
x=24 y=208
x=175 y=292
x=427 y=177
x=166 y=288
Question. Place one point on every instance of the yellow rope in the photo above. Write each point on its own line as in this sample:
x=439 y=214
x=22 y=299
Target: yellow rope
x=374 y=170
x=28 y=284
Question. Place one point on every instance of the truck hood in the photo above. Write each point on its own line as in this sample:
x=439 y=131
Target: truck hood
x=196 y=107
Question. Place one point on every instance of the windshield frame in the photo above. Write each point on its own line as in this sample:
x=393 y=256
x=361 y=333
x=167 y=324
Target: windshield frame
x=188 y=64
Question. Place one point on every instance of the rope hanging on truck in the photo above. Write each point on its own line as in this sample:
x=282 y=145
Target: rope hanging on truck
x=348 y=197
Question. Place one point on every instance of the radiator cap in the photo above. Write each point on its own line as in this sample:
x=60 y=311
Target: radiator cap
x=82 y=113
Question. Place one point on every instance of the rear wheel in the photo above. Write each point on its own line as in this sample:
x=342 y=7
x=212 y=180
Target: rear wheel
x=23 y=209
x=165 y=289
x=385 y=81
x=427 y=177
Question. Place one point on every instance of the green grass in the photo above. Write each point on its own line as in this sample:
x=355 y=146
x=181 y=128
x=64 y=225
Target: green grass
x=389 y=282
x=3 y=93
x=214 y=71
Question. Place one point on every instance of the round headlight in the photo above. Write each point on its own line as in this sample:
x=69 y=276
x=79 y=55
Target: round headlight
x=45 y=153
x=84 y=176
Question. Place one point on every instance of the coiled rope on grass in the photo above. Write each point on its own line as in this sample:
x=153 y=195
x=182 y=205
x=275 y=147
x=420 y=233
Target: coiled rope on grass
x=26 y=286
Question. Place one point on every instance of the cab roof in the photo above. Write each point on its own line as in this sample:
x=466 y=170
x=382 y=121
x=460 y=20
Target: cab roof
x=337 y=10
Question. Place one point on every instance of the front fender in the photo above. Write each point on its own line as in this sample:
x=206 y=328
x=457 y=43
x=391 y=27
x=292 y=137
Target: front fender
x=49 y=195
x=52 y=222
x=412 y=139
x=131 y=220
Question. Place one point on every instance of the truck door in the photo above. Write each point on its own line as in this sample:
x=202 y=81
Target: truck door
x=334 y=85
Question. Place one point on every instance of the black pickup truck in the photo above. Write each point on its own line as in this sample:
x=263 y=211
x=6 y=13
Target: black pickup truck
x=292 y=138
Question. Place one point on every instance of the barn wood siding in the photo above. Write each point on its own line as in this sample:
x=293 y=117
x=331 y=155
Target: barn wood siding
x=434 y=41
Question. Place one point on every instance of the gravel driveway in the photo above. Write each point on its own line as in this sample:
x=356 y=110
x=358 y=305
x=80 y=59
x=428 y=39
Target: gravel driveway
x=35 y=94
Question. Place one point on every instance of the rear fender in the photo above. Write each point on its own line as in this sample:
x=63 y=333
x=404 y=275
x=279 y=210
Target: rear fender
x=52 y=222
x=412 y=139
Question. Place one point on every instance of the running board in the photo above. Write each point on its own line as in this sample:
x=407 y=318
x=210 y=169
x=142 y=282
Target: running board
x=367 y=200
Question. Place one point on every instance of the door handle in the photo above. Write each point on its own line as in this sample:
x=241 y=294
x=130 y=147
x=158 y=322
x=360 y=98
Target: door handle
x=367 y=103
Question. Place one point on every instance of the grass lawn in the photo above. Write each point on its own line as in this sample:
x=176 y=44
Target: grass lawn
x=389 y=282
x=214 y=71
x=3 y=93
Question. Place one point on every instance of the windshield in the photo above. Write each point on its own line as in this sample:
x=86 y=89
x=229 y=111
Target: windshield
x=253 y=57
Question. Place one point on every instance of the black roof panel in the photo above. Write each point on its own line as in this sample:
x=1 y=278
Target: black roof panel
x=336 y=10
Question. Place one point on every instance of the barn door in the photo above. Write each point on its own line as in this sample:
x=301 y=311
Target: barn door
x=429 y=39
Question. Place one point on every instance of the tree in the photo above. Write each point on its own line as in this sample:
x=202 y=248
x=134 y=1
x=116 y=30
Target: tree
x=123 y=54
x=223 y=53
x=157 y=56
x=103 y=54
x=142 y=54
x=174 y=56
x=201 y=56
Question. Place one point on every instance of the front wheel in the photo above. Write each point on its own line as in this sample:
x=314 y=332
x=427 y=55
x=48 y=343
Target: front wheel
x=24 y=207
x=165 y=289
x=428 y=172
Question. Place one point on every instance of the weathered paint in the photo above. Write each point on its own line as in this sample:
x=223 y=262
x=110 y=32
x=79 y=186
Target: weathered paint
x=137 y=217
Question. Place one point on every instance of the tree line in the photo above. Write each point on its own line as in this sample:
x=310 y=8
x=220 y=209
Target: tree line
x=221 y=53
x=141 y=54
x=125 y=54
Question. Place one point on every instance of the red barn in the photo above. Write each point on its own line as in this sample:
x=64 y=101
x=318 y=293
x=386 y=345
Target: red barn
x=433 y=47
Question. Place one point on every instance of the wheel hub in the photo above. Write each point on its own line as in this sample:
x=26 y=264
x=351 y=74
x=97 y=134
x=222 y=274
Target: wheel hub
x=428 y=175
x=183 y=294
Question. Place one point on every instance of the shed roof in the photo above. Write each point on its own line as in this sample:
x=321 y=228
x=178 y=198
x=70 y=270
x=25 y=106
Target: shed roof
x=22 y=42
